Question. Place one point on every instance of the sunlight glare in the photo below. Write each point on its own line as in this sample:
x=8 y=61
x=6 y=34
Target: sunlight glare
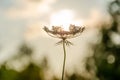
x=62 y=18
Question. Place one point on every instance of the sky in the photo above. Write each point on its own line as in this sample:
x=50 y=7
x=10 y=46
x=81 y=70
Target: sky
x=21 y=21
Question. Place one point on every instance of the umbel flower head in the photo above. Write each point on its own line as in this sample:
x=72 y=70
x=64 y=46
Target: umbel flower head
x=59 y=32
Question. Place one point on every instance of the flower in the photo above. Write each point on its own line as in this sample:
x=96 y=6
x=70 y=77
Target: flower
x=59 y=32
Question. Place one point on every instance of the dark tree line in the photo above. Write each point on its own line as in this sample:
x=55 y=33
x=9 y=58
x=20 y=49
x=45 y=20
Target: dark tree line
x=107 y=53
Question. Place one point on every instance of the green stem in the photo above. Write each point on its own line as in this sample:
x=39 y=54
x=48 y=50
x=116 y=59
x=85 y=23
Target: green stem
x=63 y=71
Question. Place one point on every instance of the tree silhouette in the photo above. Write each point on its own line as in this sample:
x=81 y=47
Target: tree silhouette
x=107 y=53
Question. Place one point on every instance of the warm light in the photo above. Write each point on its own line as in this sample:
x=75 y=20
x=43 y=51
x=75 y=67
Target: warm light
x=62 y=18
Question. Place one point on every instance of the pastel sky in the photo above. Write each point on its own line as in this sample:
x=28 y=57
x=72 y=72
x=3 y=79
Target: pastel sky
x=21 y=21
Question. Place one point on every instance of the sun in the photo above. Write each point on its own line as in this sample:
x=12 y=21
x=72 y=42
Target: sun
x=62 y=18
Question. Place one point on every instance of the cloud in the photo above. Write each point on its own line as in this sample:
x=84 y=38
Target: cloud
x=11 y=36
x=15 y=26
x=97 y=18
x=33 y=31
x=30 y=8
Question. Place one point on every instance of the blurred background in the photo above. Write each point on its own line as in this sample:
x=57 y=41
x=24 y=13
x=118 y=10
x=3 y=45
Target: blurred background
x=28 y=53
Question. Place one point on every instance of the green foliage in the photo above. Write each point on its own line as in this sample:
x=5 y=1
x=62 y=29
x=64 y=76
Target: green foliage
x=32 y=72
x=7 y=74
x=108 y=51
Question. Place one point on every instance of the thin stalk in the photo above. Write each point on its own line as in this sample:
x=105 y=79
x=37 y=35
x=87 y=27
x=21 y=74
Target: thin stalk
x=63 y=71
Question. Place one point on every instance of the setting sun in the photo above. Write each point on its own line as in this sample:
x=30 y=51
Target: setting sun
x=62 y=18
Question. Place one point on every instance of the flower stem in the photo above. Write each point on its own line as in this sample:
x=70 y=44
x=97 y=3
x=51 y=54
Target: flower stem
x=63 y=71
